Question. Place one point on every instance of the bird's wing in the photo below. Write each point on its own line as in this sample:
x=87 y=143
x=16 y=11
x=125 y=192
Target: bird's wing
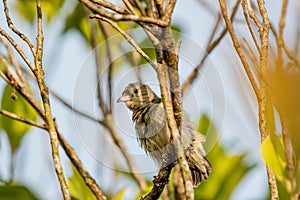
x=157 y=119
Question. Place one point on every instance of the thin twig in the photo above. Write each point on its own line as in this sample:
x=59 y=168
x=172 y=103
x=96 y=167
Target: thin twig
x=128 y=38
x=178 y=183
x=238 y=47
x=130 y=7
x=68 y=149
x=22 y=119
x=249 y=24
x=110 y=64
x=110 y=6
x=159 y=183
x=210 y=47
x=109 y=124
x=98 y=66
x=140 y=7
x=253 y=16
x=122 y=17
x=264 y=35
x=280 y=40
x=14 y=61
x=39 y=73
x=89 y=181
x=169 y=11
x=14 y=29
x=172 y=124
x=214 y=30
x=68 y=105
x=17 y=48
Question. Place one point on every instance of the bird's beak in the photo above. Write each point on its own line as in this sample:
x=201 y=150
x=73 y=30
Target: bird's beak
x=124 y=98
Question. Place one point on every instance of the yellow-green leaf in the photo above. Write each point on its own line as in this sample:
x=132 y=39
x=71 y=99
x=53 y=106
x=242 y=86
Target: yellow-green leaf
x=28 y=9
x=16 y=192
x=18 y=105
x=227 y=171
x=272 y=159
x=119 y=195
x=78 y=188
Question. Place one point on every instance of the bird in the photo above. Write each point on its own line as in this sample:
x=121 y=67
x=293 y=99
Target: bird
x=154 y=135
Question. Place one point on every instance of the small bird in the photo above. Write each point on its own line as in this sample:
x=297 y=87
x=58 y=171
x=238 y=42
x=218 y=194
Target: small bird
x=153 y=132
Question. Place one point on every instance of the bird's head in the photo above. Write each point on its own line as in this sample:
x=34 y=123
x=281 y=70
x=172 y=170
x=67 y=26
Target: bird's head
x=138 y=95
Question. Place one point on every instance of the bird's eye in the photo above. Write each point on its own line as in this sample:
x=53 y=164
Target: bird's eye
x=135 y=91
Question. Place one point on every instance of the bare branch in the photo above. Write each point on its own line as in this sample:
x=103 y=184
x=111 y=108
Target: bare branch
x=172 y=124
x=94 y=37
x=253 y=16
x=138 y=4
x=128 y=38
x=89 y=181
x=130 y=7
x=280 y=40
x=77 y=111
x=109 y=124
x=110 y=6
x=168 y=12
x=22 y=119
x=39 y=73
x=249 y=24
x=264 y=35
x=17 y=48
x=14 y=29
x=122 y=17
x=210 y=47
x=14 y=61
x=159 y=183
x=110 y=64
x=238 y=47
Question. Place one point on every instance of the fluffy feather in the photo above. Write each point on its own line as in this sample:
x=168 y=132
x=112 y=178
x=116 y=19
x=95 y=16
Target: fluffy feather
x=154 y=135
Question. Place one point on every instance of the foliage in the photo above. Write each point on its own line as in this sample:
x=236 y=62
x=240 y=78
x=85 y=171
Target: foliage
x=227 y=172
x=78 y=188
x=15 y=103
x=16 y=192
x=27 y=9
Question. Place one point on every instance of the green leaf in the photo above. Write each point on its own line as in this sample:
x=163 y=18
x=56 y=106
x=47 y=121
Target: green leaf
x=16 y=130
x=120 y=194
x=275 y=139
x=272 y=159
x=78 y=188
x=16 y=192
x=78 y=21
x=148 y=48
x=176 y=32
x=3 y=64
x=228 y=170
x=28 y=9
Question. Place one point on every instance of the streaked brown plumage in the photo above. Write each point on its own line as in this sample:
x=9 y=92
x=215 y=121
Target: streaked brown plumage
x=154 y=135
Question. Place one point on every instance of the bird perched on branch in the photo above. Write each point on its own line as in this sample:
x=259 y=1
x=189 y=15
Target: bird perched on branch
x=154 y=134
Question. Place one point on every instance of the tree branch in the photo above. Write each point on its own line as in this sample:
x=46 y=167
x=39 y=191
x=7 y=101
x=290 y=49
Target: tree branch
x=39 y=74
x=15 y=30
x=128 y=38
x=122 y=17
x=172 y=124
x=238 y=47
x=209 y=48
x=17 y=48
x=24 y=120
x=264 y=35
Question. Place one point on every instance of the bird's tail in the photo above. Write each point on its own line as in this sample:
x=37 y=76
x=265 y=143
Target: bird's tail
x=199 y=165
x=200 y=173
